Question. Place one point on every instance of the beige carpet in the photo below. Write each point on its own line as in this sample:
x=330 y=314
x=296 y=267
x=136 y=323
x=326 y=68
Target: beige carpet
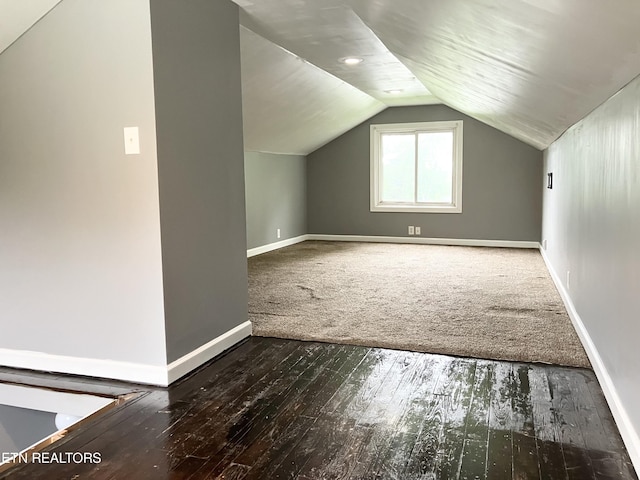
x=495 y=303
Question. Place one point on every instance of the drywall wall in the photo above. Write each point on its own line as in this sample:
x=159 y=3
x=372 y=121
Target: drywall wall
x=80 y=259
x=196 y=59
x=501 y=198
x=19 y=16
x=591 y=223
x=276 y=197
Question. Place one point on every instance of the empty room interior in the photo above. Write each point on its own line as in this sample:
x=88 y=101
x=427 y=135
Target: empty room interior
x=346 y=239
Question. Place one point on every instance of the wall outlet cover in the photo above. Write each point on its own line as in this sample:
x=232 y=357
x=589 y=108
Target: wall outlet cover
x=131 y=141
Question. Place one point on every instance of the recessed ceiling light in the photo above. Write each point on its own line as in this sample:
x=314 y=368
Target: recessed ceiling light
x=351 y=60
x=395 y=91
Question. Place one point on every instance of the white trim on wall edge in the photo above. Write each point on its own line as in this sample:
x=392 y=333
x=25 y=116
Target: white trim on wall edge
x=206 y=352
x=627 y=430
x=252 y=252
x=92 y=367
x=425 y=241
x=161 y=375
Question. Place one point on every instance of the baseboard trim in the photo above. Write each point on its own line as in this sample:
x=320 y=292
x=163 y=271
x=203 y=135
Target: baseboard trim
x=425 y=241
x=627 y=430
x=206 y=352
x=161 y=375
x=252 y=252
x=91 y=367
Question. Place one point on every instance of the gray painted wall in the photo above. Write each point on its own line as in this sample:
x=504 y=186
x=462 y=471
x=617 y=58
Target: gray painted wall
x=80 y=260
x=501 y=198
x=196 y=60
x=276 y=197
x=592 y=226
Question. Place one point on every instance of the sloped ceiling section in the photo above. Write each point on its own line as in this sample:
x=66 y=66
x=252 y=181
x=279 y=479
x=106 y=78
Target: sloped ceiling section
x=531 y=68
x=325 y=32
x=297 y=94
x=291 y=106
x=17 y=16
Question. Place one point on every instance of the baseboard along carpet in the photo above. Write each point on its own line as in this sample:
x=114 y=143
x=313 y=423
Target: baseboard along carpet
x=495 y=303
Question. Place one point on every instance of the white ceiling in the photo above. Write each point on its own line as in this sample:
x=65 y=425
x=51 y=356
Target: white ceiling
x=292 y=106
x=531 y=68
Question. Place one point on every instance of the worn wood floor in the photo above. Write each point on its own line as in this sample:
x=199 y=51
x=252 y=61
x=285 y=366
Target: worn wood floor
x=286 y=409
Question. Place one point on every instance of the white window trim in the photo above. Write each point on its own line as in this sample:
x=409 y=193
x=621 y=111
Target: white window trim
x=376 y=132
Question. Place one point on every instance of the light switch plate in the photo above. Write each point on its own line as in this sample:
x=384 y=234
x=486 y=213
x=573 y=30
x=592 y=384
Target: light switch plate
x=131 y=141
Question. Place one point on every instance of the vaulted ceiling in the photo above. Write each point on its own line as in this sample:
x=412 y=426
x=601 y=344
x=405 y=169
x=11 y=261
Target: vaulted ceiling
x=531 y=68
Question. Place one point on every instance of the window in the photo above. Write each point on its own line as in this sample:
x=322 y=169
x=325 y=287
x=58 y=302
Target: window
x=416 y=167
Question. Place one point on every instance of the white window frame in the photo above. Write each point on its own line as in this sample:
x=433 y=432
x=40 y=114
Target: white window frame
x=376 y=132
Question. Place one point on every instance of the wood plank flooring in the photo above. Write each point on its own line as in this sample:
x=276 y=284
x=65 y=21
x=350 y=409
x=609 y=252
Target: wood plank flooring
x=273 y=409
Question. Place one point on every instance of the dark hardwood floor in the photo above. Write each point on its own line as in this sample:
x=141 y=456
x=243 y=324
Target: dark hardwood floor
x=274 y=409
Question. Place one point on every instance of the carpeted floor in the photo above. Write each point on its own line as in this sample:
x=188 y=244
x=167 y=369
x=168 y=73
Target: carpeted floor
x=496 y=303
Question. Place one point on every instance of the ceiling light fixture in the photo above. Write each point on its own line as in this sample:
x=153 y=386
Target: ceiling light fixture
x=351 y=60
x=395 y=91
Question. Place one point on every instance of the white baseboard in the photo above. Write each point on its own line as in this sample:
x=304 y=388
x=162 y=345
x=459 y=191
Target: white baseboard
x=206 y=352
x=627 y=430
x=381 y=239
x=92 y=367
x=161 y=375
x=252 y=252
x=425 y=241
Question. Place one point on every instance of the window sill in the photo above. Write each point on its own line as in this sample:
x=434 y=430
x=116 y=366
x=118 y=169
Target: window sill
x=416 y=209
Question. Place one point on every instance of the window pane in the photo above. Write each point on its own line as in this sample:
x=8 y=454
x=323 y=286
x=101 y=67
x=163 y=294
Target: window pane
x=398 y=168
x=435 y=167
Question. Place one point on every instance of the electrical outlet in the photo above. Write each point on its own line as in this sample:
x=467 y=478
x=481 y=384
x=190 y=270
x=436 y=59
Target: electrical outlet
x=411 y=229
x=544 y=244
x=568 y=279
x=417 y=230
x=278 y=233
